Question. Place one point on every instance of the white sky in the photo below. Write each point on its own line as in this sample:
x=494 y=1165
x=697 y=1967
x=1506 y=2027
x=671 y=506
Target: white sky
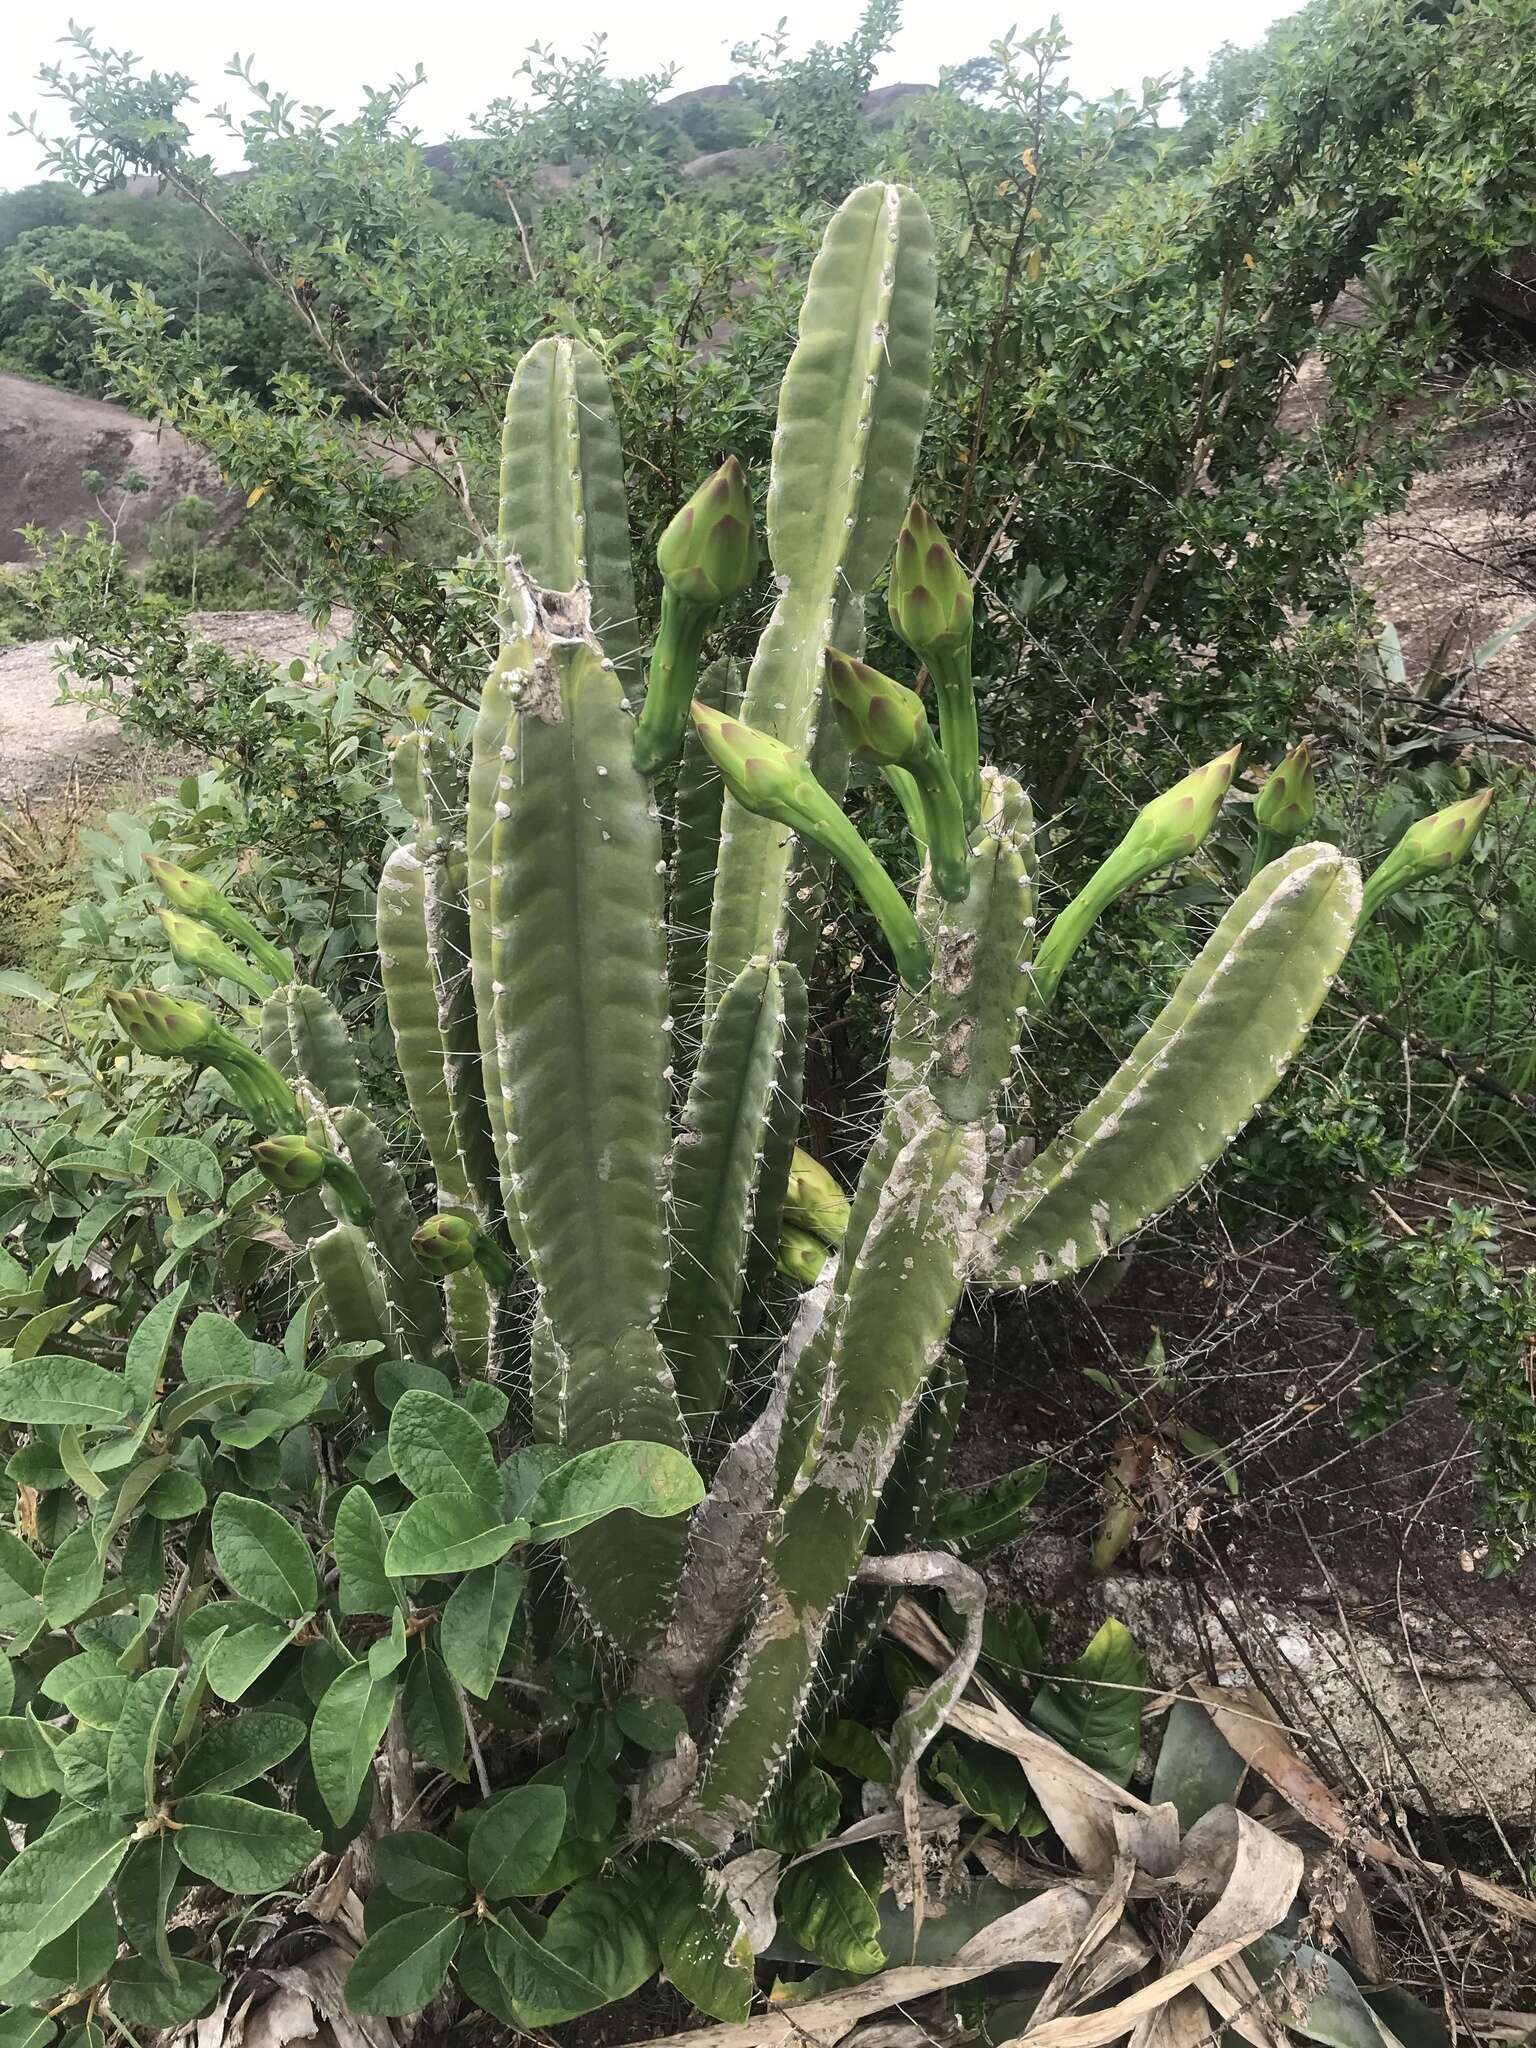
x=323 y=51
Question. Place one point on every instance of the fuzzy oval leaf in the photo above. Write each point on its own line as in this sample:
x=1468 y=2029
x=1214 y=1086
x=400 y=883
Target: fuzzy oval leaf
x=263 y=1558
x=233 y=1752
x=438 y=1447
x=515 y=1842
x=404 y=1966
x=476 y=1623
x=54 y=1880
x=450 y=1532
x=142 y=1995
x=240 y=1846
x=360 y=1541
x=649 y=1479
x=347 y=1729
x=1094 y=1707
x=53 y=1389
x=422 y=1869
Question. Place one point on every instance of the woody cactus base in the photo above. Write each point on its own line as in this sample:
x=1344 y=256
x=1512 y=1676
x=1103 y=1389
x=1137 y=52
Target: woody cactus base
x=633 y=1274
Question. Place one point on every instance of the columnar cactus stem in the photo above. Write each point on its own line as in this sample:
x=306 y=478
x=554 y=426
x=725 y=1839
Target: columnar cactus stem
x=850 y=415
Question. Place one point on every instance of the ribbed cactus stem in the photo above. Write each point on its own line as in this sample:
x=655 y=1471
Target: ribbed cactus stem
x=959 y=735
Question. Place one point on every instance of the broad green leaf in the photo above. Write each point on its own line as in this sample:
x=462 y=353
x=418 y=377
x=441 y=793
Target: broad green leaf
x=85 y=1953
x=703 y=1946
x=144 y=1890
x=828 y=1910
x=7 y=1685
x=25 y=2027
x=803 y=1811
x=476 y=1623
x=388 y=1653
x=284 y=1401
x=53 y=1389
x=1093 y=1708
x=651 y=1723
x=233 y=1752
x=240 y=1657
x=422 y=1869
x=987 y=1783
x=515 y=1841
x=450 y=1532
x=348 y=1727
x=149 y=1347
x=143 y=1995
x=139 y=1483
x=434 y=1720
x=970 y=1524
x=359 y=1542
x=29 y=1762
x=191 y=1161
x=404 y=1966
x=21 y=1570
x=850 y=1746
x=1196 y=1766
x=240 y=1846
x=1312 y=1992
x=602 y=1927
x=36 y=1330
x=73 y=1579
x=438 y=1447
x=648 y=1479
x=54 y=1880
x=180 y=1409
x=486 y=1403
x=541 y=1989
x=214 y=1348
x=263 y=1557
x=135 y=1743
x=173 y=1496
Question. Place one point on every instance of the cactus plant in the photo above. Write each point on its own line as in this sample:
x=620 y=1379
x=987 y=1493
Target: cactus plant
x=611 y=1111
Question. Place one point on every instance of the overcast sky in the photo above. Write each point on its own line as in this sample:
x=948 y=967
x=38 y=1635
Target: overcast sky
x=324 y=50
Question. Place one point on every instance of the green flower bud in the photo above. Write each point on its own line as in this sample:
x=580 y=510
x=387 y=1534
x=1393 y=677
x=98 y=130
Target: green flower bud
x=709 y=552
x=886 y=723
x=1427 y=848
x=194 y=897
x=445 y=1243
x=882 y=720
x=1286 y=806
x=1169 y=828
x=930 y=594
x=290 y=1162
x=168 y=1026
x=813 y=1200
x=770 y=779
x=194 y=945
x=801 y=1256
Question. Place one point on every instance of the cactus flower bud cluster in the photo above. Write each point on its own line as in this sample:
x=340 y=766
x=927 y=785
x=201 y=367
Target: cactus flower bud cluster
x=773 y=781
x=1428 y=848
x=195 y=897
x=707 y=556
x=884 y=722
x=197 y=945
x=932 y=609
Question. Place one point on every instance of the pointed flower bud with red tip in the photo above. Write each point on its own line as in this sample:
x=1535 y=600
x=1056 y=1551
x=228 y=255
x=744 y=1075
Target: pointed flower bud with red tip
x=886 y=723
x=196 y=946
x=930 y=598
x=289 y=1161
x=1286 y=806
x=709 y=552
x=773 y=781
x=194 y=896
x=445 y=1243
x=1427 y=848
x=168 y=1026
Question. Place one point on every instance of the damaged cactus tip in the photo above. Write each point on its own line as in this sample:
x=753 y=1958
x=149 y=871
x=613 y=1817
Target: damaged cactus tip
x=1428 y=848
x=773 y=781
x=885 y=723
x=1286 y=806
x=707 y=556
x=1168 y=829
x=932 y=608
